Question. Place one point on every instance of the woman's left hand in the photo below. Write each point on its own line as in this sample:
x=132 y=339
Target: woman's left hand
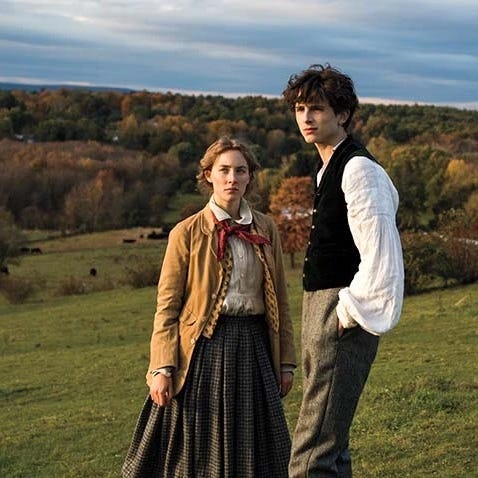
x=286 y=381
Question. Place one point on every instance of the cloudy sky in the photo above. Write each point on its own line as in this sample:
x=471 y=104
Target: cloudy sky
x=423 y=51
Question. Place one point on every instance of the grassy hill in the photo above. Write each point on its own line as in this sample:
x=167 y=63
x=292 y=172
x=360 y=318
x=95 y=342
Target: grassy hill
x=72 y=373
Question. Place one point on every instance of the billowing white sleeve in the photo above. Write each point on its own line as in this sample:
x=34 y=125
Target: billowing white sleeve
x=375 y=296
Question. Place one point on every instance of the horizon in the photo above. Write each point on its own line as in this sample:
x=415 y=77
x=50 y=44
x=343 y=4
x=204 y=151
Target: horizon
x=400 y=52
x=125 y=89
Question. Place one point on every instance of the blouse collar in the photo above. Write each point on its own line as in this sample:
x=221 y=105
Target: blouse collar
x=244 y=211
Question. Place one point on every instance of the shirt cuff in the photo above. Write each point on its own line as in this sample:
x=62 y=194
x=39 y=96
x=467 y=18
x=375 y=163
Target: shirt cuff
x=166 y=371
x=345 y=318
x=287 y=368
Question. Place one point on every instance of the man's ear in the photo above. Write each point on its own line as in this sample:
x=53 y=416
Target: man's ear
x=343 y=117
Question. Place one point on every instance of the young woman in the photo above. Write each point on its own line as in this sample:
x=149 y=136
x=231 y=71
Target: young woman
x=222 y=350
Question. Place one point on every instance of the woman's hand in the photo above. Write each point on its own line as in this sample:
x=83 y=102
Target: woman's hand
x=286 y=381
x=161 y=390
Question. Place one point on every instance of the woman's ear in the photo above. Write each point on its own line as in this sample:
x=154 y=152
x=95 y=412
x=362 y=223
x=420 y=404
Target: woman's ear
x=207 y=175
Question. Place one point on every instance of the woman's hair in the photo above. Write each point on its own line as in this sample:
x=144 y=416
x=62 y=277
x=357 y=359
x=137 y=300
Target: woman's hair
x=220 y=146
x=320 y=84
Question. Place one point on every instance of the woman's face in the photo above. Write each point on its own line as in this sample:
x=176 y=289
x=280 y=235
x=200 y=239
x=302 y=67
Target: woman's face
x=229 y=177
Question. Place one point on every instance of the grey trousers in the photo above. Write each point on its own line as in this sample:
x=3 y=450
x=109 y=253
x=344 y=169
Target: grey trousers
x=334 y=374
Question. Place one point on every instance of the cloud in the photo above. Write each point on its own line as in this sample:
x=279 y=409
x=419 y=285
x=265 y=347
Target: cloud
x=419 y=50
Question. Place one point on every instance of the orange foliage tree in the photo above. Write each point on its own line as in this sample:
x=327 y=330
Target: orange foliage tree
x=291 y=208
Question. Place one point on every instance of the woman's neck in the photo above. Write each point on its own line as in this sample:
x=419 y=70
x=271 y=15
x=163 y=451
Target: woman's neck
x=232 y=208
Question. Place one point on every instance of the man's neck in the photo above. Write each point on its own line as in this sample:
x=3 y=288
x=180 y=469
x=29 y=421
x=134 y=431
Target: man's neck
x=327 y=150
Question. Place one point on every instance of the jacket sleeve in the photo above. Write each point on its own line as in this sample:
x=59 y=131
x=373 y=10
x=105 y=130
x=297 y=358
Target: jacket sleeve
x=286 y=331
x=170 y=294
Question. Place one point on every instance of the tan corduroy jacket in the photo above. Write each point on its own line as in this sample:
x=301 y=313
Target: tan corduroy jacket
x=188 y=287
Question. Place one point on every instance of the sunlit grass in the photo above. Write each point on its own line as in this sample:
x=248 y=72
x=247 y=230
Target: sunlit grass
x=72 y=377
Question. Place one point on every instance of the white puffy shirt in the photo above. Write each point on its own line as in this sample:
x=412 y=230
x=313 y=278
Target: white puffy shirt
x=374 y=298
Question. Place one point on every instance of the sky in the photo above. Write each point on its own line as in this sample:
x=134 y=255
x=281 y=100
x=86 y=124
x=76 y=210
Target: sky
x=406 y=51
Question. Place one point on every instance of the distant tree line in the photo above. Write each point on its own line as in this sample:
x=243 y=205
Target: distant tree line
x=88 y=160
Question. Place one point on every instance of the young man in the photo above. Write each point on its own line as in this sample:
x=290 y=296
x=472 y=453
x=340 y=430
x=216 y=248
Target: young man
x=353 y=272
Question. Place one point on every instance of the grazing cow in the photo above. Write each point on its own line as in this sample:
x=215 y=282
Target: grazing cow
x=157 y=235
x=129 y=241
x=24 y=249
x=4 y=270
x=36 y=250
x=93 y=272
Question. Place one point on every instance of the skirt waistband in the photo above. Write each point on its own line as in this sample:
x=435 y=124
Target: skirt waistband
x=242 y=317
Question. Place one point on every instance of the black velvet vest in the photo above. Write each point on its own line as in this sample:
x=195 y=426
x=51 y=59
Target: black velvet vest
x=332 y=259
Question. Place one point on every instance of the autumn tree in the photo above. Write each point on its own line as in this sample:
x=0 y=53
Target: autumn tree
x=95 y=205
x=11 y=238
x=291 y=208
x=461 y=181
x=419 y=173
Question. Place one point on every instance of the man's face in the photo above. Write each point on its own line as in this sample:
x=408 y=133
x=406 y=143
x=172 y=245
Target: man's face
x=319 y=124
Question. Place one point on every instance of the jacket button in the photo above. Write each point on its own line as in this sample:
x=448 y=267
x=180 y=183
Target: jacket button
x=213 y=296
x=193 y=341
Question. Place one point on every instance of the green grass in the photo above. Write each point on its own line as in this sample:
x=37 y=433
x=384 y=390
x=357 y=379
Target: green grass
x=73 y=257
x=178 y=202
x=72 y=377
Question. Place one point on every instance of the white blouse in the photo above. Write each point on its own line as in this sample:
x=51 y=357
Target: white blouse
x=244 y=294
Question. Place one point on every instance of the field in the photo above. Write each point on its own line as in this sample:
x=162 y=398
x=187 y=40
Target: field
x=72 y=371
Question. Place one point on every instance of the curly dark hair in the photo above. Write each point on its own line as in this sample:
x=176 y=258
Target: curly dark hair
x=323 y=83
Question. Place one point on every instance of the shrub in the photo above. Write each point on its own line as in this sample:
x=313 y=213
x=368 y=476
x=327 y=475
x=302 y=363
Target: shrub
x=16 y=289
x=463 y=257
x=144 y=274
x=72 y=286
x=448 y=256
x=426 y=262
x=459 y=230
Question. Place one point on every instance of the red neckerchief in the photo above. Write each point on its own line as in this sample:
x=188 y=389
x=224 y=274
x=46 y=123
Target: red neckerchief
x=225 y=229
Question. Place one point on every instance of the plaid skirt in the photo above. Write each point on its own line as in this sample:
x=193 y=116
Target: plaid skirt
x=227 y=421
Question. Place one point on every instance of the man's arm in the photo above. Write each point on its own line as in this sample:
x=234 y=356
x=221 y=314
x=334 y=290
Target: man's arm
x=375 y=296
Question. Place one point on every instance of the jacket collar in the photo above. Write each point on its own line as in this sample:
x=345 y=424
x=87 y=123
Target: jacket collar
x=207 y=222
